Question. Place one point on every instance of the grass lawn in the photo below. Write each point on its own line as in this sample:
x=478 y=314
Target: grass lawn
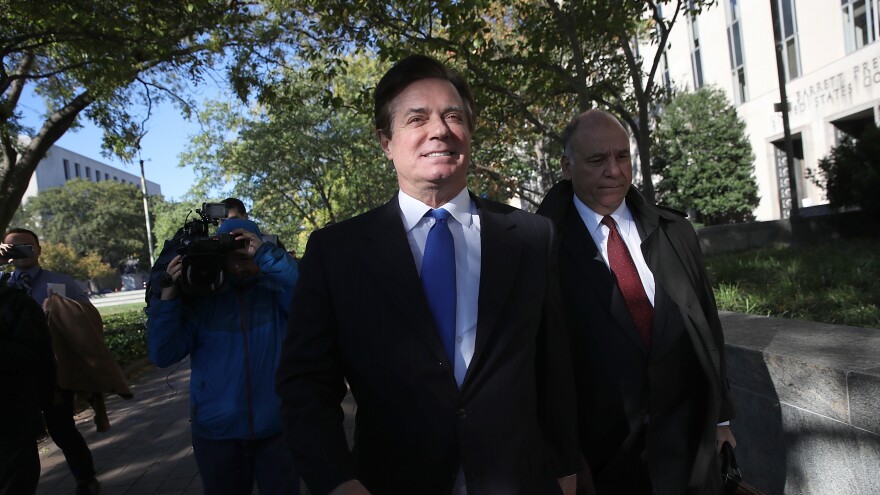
x=121 y=308
x=834 y=282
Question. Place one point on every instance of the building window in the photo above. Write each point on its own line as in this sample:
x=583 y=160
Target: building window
x=66 y=169
x=791 y=55
x=696 y=59
x=76 y=168
x=860 y=23
x=114 y=178
x=106 y=176
x=97 y=176
x=735 y=50
x=88 y=173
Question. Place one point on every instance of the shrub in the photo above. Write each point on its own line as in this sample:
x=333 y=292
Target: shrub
x=705 y=159
x=850 y=174
x=126 y=336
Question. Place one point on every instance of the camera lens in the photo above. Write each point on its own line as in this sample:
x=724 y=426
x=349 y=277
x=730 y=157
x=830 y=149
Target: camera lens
x=203 y=273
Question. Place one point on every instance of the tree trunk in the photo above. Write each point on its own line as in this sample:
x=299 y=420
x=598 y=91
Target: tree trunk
x=16 y=170
x=644 y=142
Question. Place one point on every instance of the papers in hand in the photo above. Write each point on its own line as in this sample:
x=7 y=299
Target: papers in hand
x=59 y=289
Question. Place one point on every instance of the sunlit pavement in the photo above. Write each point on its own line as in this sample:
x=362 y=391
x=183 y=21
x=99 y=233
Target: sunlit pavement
x=148 y=449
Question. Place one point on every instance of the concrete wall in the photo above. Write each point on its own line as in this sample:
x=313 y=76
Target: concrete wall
x=720 y=239
x=808 y=404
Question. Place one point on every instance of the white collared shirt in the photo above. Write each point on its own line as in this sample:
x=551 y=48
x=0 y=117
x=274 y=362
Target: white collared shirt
x=466 y=235
x=628 y=231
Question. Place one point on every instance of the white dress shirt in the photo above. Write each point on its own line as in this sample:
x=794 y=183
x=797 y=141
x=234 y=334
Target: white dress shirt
x=626 y=226
x=465 y=227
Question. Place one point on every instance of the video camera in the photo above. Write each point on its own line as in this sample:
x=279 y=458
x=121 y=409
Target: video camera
x=204 y=255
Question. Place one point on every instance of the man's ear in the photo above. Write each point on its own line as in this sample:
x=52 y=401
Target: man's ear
x=566 y=167
x=385 y=142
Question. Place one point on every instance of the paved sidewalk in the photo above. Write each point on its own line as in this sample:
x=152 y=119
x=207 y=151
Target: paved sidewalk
x=148 y=449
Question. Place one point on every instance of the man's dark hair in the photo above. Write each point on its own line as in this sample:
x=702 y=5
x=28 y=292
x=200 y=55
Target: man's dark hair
x=21 y=231
x=407 y=71
x=235 y=203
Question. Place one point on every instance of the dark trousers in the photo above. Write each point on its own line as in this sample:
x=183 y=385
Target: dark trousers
x=62 y=429
x=627 y=472
x=19 y=466
x=230 y=467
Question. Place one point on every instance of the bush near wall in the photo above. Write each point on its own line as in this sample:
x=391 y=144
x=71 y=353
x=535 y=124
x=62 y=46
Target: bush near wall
x=126 y=336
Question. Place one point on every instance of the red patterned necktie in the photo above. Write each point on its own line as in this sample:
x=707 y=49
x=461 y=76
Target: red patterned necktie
x=624 y=270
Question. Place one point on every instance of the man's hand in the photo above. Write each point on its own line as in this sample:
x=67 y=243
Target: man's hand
x=725 y=434
x=174 y=269
x=568 y=484
x=350 y=487
x=3 y=249
x=253 y=240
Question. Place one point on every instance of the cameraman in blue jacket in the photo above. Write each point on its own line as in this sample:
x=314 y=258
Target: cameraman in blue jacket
x=233 y=337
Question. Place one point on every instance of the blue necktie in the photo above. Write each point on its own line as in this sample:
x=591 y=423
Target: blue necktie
x=438 y=279
x=24 y=283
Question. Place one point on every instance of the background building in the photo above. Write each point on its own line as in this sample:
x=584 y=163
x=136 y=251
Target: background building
x=832 y=65
x=61 y=165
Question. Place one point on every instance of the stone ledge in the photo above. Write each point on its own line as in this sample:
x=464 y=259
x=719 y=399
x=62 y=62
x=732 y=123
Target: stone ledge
x=808 y=404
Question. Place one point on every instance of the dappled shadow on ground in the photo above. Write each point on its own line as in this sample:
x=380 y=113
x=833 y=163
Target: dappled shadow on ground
x=148 y=447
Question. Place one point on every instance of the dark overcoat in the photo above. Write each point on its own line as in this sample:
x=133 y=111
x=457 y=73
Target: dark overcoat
x=674 y=393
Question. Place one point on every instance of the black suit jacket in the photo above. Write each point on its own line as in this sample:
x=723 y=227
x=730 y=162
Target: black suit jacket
x=359 y=315
x=667 y=399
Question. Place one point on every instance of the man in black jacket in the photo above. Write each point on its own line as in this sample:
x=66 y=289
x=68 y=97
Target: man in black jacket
x=472 y=396
x=653 y=397
x=27 y=378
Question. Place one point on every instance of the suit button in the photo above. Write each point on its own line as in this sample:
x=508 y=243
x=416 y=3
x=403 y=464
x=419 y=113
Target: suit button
x=461 y=413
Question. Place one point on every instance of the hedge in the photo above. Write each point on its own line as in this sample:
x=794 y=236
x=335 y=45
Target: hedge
x=126 y=336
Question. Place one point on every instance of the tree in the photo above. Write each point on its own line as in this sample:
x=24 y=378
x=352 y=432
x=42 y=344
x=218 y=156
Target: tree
x=301 y=162
x=59 y=257
x=92 y=217
x=99 y=59
x=170 y=216
x=533 y=64
x=705 y=159
x=850 y=173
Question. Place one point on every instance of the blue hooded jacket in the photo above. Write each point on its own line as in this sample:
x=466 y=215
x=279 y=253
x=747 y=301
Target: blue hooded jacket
x=234 y=341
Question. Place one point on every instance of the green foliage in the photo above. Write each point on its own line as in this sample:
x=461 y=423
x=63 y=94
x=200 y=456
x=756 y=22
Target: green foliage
x=126 y=336
x=92 y=217
x=62 y=258
x=811 y=283
x=95 y=267
x=121 y=308
x=704 y=158
x=532 y=64
x=301 y=162
x=170 y=216
x=109 y=61
x=850 y=174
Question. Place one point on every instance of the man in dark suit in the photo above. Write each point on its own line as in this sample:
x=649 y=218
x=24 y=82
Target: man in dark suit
x=647 y=347
x=440 y=310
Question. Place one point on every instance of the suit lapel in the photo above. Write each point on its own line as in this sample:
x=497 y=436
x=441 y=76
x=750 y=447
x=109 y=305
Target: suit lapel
x=663 y=255
x=580 y=247
x=500 y=254
x=389 y=255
